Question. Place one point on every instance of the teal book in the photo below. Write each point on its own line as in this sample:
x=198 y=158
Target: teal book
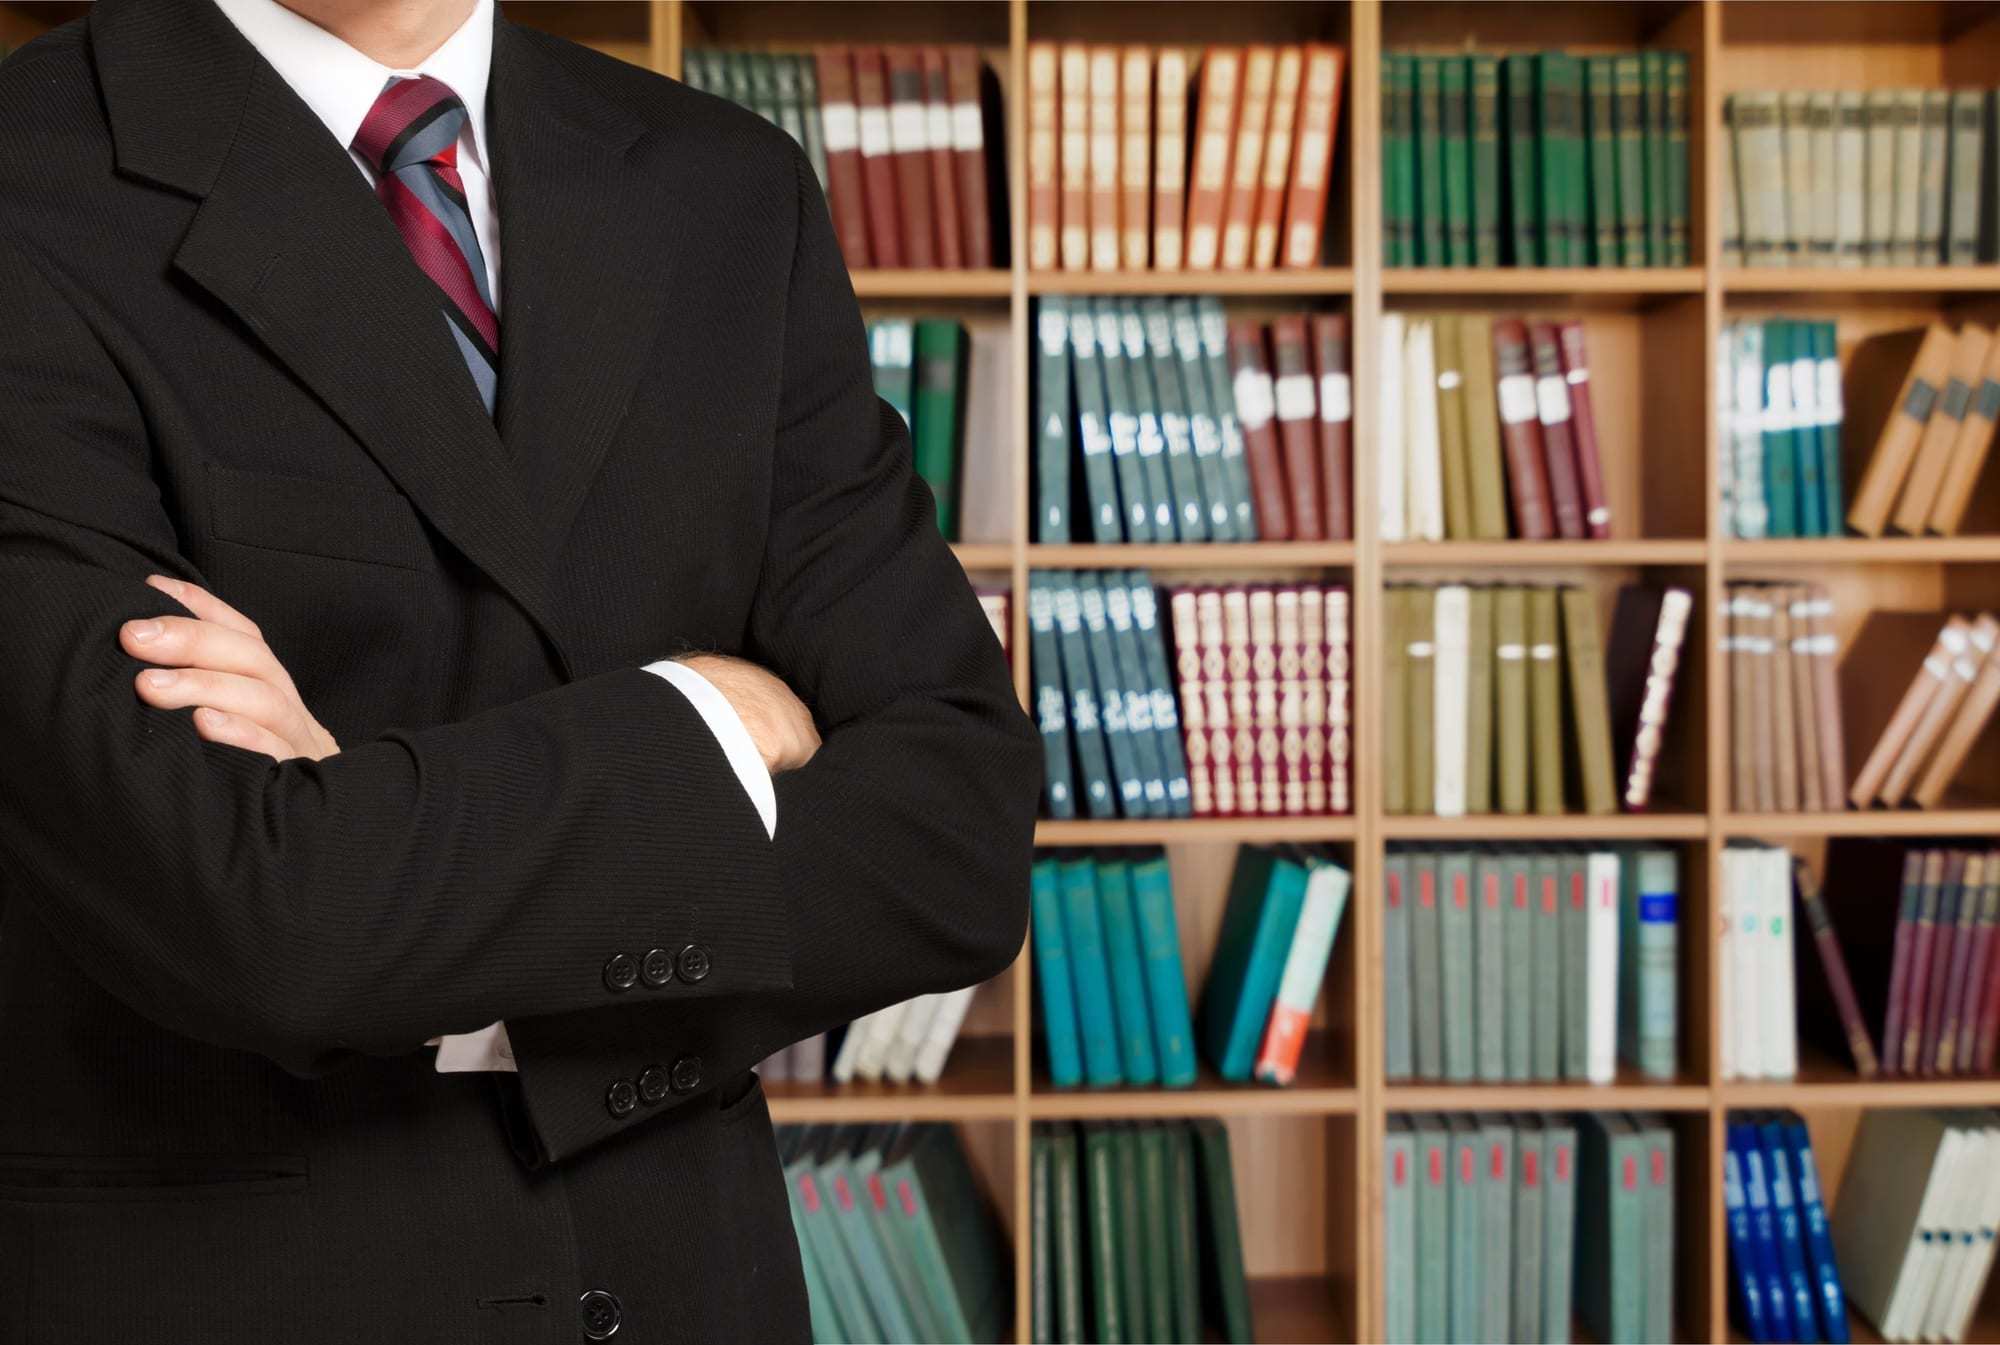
x=1052 y=974
x=1166 y=979
x=1128 y=751
x=1051 y=704
x=1826 y=371
x=1093 y=428
x=1093 y=762
x=1611 y=1228
x=1559 y=1196
x=1674 y=118
x=1496 y=1218
x=814 y=1210
x=1455 y=157
x=821 y=1301
x=1128 y=978
x=864 y=1244
x=1455 y=958
x=1052 y=420
x=1545 y=1011
x=1430 y=162
x=1096 y=1020
x=1489 y=949
x=1399 y=1230
x=1122 y=419
x=960 y=1252
x=1575 y=965
x=1432 y=1142
x=872 y=1194
x=1781 y=460
x=1257 y=923
x=1398 y=1046
x=1524 y=175
x=892 y=363
x=1805 y=432
x=1517 y=896
x=1427 y=965
x=1145 y=604
x=1467 y=1247
x=1135 y=681
x=1525 y=1299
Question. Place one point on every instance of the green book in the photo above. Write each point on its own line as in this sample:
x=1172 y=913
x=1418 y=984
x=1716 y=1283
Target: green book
x=1455 y=161
x=1204 y=427
x=1041 y=1225
x=1653 y=85
x=1545 y=713
x=1067 y=1213
x=806 y=73
x=1479 y=702
x=1122 y=745
x=1559 y=1164
x=891 y=1230
x=1805 y=432
x=1648 y=966
x=1153 y=652
x=1096 y=1019
x=1628 y=116
x=1545 y=1012
x=1123 y=422
x=1131 y=1230
x=938 y=427
x=1399 y=1230
x=1093 y=427
x=1433 y=1148
x=1146 y=407
x=1524 y=193
x=1399 y=161
x=1496 y=1225
x=1135 y=682
x=763 y=86
x=1156 y=1230
x=891 y=363
x=1420 y=703
x=1429 y=137
x=1781 y=457
x=1611 y=1228
x=1489 y=947
x=1456 y=964
x=1395 y=699
x=1100 y=1159
x=1427 y=962
x=1676 y=118
x=1086 y=728
x=1398 y=1050
x=1184 y=1248
x=1468 y=1259
x=1264 y=899
x=865 y=1250
x=1213 y=323
x=1166 y=978
x=1052 y=420
x=736 y=79
x=1128 y=977
x=1225 y=1288
x=814 y=1210
x=1657 y=1178
x=1554 y=131
x=1573 y=874
x=1483 y=88
x=1518 y=897
x=1051 y=703
x=1525 y=1296
x=785 y=95
x=1600 y=128
x=1510 y=699
x=1190 y=522
x=1590 y=706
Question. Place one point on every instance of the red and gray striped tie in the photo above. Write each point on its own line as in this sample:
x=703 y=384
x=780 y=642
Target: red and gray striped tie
x=410 y=140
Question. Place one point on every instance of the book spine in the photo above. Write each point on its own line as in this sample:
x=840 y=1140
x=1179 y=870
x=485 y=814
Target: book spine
x=1122 y=421
x=1559 y=445
x=1339 y=703
x=1483 y=89
x=1428 y=135
x=840 y=121
x=1073 y=161
x=1053 y=977
x=1944 y=1055
x=1906 y=229
x=1600 y=96
x=1312 y=658
x=1524 y=167
x=1247 y=160
x=1979 y=970
x=1742 y=1246
x=1102 y=186
x=1188 y=672
x=1135 y=167
x=1276 y=160
x=1204 y=429
x=1151 y=436
x=1095 y=1017
x=1398 y=163
x=1256 y=409
x=1213 y=324
x=948 y=216
x=1656 y=885
x=1291 y=701
x=1933 y=180
x=1262 y=606
x=1676 y=113
x=1900 y=958
x=1489 y=970
x=968 y=155
x=1044 y=149
x=1215 y=134
x=1215 y=712
x=1628 y=115
x=1297 y=412
x=1454 y=161
x=1648 y=732
x=1553 y=131
x=878 y=171
x=909 y=149
x=1051 y=707
x=1052 y=421
x=1833 y=962
x=1190 y=512
x=1520 y=431
x=1086 y=728
x=1336 y=414
x=1305 y=968
x=1545 y=716
x=1398 y=1046
x=1653 y=79
x=1237 y=662
x=1170 y=79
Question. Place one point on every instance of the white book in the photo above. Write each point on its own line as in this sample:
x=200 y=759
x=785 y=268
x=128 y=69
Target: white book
x=1937 y=1190
x=809 y=1059
x=874 y=1053
x=1797 y=151
x=1961 y=1228
x=1389 y=482
x=1747 y=423
x=1777 y=1016
x=943 y=1034
x=849 y=1056
x=1729 y=1060
x=1820 y=129
x=1906 y=231
x=899 y=1061
x=1725 y=433
x=1760 y=159
x=776 y=1066
x=1747 y=908
x=1420 y=432
x=1601 y=962
x=1450 y=670
x=1979 y=1264
x=1850 y=175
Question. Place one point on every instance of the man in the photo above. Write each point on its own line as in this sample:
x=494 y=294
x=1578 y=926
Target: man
x=387 y=933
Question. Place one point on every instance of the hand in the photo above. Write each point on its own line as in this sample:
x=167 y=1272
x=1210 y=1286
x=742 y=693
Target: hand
x=777 y=720
x=218 y=663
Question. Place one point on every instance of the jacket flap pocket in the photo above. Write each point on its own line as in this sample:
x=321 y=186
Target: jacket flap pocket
x=72 y=1177
x=319 y=518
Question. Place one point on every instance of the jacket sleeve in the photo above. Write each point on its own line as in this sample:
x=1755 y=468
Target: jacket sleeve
x=903 y=847
x=425 y=882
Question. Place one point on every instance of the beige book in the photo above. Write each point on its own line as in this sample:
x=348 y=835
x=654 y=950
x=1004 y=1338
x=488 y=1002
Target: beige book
x=1887 y=469
x=1135 y=153
x=1742 y=728
x=1965 y=657
x=1043 y=156
x=1760 y=165
x=1784 y=719
x=1974 y=713
x=1923 y=688
x=1756 y=610
x=1795 y=130
x=1073 y=214
x=1934 y=449
x=1170 y=81
x=1104 y=182
x=1832 y=735
x=1907 y=224
x=1879 y=130
x=1969 y=449
x=1806 y=715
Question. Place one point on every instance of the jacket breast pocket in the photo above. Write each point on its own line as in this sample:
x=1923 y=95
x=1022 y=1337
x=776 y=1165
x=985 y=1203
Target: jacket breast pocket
x=40 y=1179
x=342 y=580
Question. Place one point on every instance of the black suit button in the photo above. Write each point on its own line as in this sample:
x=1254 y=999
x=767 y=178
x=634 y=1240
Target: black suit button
x=658 y=968
x=695 y=962
x=653 y=1085
x=621 y=1099
x=687 y=1074
x=602 y=1314
x=621 y=973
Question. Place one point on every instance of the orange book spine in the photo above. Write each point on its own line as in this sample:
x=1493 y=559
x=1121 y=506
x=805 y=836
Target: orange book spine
x=1312 y=156
x=1043 y=156
x=1073 y=213
x=1170 y=82
x=1277 y=167
x=1104 y=158
x=1246 y=167
x=1135 y=153
x=1215 y=126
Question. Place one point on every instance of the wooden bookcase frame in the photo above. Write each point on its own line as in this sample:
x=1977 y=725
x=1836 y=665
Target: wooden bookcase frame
x=1313 y=1242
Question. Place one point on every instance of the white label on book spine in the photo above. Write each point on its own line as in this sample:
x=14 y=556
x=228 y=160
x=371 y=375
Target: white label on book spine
x=839 y=128
x=906 y=125
x=1552 y=400
x=968 y=131
x=1448 y=379
x=937 y=124
x=1295 y=397
x=1255 y=403
x=1336 y=401
x=1517 y=399
x=874 y=124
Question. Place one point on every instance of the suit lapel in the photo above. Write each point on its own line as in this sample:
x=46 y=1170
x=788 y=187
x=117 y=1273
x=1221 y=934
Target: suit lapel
x=289 y=237
x=588 y=251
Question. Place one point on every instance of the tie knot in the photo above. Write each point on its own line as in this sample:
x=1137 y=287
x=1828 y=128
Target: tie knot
x=413 y=121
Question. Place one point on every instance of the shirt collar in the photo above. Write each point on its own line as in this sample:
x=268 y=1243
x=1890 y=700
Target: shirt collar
x=340 y=84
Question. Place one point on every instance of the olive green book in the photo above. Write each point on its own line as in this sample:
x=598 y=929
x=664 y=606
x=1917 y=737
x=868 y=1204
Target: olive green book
x=1676 y=115
x=1427 y=963
x=1517 y=897
x=1041 y=1224
x=1524 y=195
x=1611 y=1227
x=1483 y=113
x=1395 y=699
x=1496 y=1225
x=1510 y=700
x=1545 y=893
x=1545 y=711
x=1066 y=1213
x=1156 y=1231
x=1530 y=1184
x=1429 y=137
x=1225 y=1287
x=1455 y=964
x=1489 y=955
x=1108 y=1320
x=1479 y=702
x=1628 y=119
x=1130 y=1215
x=1398 y=1048
x=1468 y=1257
x=938 y=413
x=1419 y=702
x=1452 y=409
x=1455 y=161
x=1653 y=86
x=1433 y=1275
x=1601 y=134
x=1590 y=708
x=1184 y=1248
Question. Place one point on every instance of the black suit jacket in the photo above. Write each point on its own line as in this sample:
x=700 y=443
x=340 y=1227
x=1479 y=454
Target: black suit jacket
x=218 y=1122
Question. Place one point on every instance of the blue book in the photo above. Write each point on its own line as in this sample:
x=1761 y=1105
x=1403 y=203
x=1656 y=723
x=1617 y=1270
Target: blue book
x=1763 y=1230
x=1166 y=978
x=1832 y=1299
x=1257 y=924
x=1052 y=974
x=1791 y=1238
x=1090 y=973
x=1742 y=1250
x=1128 y=979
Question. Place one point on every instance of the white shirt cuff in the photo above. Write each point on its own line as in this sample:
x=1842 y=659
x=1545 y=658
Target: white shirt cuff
x=484 y=1051
x=735 y=740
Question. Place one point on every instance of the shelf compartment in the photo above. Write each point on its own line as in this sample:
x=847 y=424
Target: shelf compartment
x=978 y=1084
x=1176 y=830
x=1652 y=826
x=1310 y=281
x=1191 y=555
x=1664 y=551
x=929 y=284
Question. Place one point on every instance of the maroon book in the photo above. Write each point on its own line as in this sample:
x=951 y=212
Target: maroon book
x=1944 y=945
x=1971 y=892
x=1923 y=938
x=878 y=172
x=1256 y=413
x=1987 y=1038
x=1336 y=416
x=1552 y=406
x=944 y=175
x=1908 y=904
x=1297 y=409
x=841 y=120
x=1979 y=966
x=1589 y=463
x=968 y=152
x=909 y=134
x=1521 y=431
x=1833 y=963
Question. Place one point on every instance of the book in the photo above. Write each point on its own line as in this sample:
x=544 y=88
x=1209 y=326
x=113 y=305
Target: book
x=1264 y=901
x=1589 y=705
x=1324 y=903
x=1225 y=1290
x=1318 y=126
x=1275 y=157
x=1165 y=977
x=1648 y=630
x=1896 y=449
x=1215 y=125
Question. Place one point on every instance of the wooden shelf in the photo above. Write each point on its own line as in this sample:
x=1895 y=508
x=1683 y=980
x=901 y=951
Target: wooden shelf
x=978 y=1085
x=1180 y=830
x=932 y=284
x=1543 y=280
x=1325 y=280
x=1663 y=551
x=1823 y=1082
x=1863 y=551
x=1827 y=280
x=1321 y=1088
x=1191 y=555
x=1874 y=822
x=984 y=555
x=1659 y=826
x=1631 y=1091
x=1296 y=1310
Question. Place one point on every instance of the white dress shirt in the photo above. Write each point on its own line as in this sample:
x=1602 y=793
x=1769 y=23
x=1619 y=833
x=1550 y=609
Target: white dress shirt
x=340 y=85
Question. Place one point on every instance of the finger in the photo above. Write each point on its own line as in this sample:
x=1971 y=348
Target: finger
x=204 y=604
x=234 y=731
x=246 y=697
x=182 y=642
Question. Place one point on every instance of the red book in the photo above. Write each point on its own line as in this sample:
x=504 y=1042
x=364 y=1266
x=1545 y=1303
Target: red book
x=1336 y=418
x=1944 y=936
x=968 y=154
x=1552 y=405
x=1971 y=892
x=909 y=148
x=1987 y=1037
x=1833 y=962
x=1242 y=692
x=1298 y=424
x=1194 y=719
x=841 y=133
x=1291 y=703
x=878 y=174
x=1313 y=695
x=1264 y=699
x=1980 y=967
x=1215 y=703
x=1339 y=704
x=1910 y=901
x=943 y=173
x=1589 y=465
x=1923 y=943
x=1256 y=414
x=1521 y=431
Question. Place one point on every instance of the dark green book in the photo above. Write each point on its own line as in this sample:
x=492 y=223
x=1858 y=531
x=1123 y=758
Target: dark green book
x=1676 y=115
x=1131 y=1232
x=1166 y=715
x=1123 y=421
x=1427 y=961
x=1456 y=964
x=1107 y=1309
x=1489 y=949
x=1559 y=103
x=1225 y=1287
x=736 y=79
x=1135 y=679
x=694 y=68
x=1781 y=457
x=1066 y=1211
x=1204 y=428
x=1190 y=508
x=1518 y=896
x=1265 y=894
x=1468 y=1257
x=1041 y=1226
x=806 y=71
x=1628 y=116
x=1213 y=323
x=1433 y=1150
x=1545 y=1055
x=1399 y=162
x=1398 y=1050
x=1455 y=158
x=763 y=86
x=1600 y=127
x=1093 y=427
x=1052 y=420
x=1184 y=1249
x=1496 y=1226
x=1524 y=169
x=938 y=426
x=1051 y=704
x=1146 y=407
x=1156 y=1230
x=1428 y=134
x=1483 y=89
x=1611 y=1228
x=1525 y=1296
x=785 y=92
x=1653 y=82
x=1119 y=741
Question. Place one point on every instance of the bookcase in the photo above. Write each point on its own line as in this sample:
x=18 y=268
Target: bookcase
x=1308 y=1156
